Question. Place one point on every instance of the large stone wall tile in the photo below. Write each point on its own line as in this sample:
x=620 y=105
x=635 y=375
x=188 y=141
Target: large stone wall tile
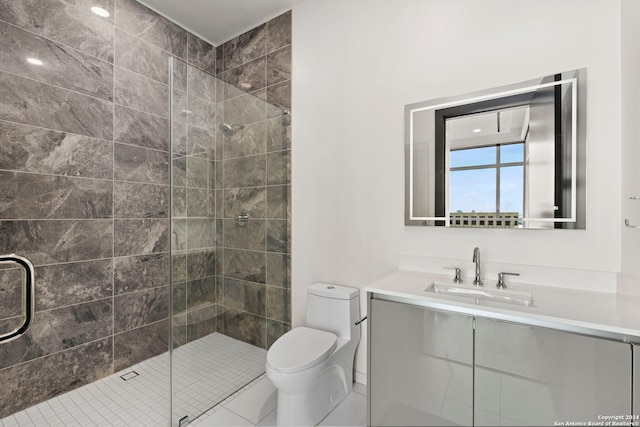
x=202 y=321
x=275 y=330
x=30 y=383
x=136 y=309
x=146 y=24
x=136 y=55
x=201 y=54
x=35 y=196
x=73 y=283
x=141 y=236
x=244 y=265
x=59 y=329
x=278 y=236
x=10 y=297
x=250 y=140
x=201 y=84
x=135 y=200
x=200 y=292
x=142 y=129
x=134 y=273
x=279 y=133
x=279 y=66
x=279 y=167
x=278 y=304
x=30 y=149
x=201 y=143
x=56 y=241
x=180 y=74
x=279 y=269
x=245 y=327
x=278 y=201
x=280 y=94
x=251 y=200
x=62 y=65
x=279 y=32
x=250 y=171
x=245 y=109
x=64 y=23
x=201 y=263
x=247 y=46
x=251 y=236
x=245 y=296
x=197 y=172
x=202 y=113
x=248 y=77
x=140 y=344
x=141 y=93
x=197 y=202
x=140 y=164
x=39 y=104
x=201 y=233
x=107 y=5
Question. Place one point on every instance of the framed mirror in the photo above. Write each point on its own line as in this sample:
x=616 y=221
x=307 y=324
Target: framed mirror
x=507 y=157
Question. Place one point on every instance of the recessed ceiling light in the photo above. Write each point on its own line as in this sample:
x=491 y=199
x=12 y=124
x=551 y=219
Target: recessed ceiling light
x=34 y=61
x=477 y=130
x=99 y=11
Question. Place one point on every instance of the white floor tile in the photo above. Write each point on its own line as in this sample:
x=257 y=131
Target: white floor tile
x=206 y=371
x=224 y=418
x=269 y=420
x=352 y=411
x=256 y=402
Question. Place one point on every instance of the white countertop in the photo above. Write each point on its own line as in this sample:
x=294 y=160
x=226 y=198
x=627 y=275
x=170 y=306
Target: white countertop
x=605 y=315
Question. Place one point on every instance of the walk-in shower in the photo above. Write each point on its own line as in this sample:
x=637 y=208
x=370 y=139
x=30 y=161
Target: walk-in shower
x=152 y=304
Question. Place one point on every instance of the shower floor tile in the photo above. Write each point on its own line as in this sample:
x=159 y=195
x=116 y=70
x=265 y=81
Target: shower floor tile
x=205 y=372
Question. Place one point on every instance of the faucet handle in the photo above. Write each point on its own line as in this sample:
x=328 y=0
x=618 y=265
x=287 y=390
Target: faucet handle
x=501 y=284
x=457 y=278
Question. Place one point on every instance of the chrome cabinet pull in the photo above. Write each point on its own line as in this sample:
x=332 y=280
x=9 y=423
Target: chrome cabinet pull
x=28 y=295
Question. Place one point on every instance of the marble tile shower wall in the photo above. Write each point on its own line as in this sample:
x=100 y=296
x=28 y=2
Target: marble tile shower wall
x=84 y=168
x=253 y=177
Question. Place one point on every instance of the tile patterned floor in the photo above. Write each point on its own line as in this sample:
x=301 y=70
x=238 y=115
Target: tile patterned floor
x=206 y=371
x=255 y=404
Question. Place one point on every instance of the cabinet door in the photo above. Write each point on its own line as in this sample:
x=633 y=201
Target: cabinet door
x=535 y=376
x=421 y=366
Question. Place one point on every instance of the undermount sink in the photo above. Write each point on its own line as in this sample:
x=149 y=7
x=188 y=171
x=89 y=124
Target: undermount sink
x=480 y=293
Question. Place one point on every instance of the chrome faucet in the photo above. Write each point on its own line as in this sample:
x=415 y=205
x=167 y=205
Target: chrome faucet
x=476 y=258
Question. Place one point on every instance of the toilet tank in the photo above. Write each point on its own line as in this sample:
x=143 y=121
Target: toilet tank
x=333 y=308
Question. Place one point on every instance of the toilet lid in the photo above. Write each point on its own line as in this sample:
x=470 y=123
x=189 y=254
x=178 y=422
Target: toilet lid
x=301 y=348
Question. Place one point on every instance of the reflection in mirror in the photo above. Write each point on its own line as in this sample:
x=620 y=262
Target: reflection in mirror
x=510 y=157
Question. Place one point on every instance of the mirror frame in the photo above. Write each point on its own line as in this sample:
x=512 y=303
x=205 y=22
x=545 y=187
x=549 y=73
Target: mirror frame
x=577 y=78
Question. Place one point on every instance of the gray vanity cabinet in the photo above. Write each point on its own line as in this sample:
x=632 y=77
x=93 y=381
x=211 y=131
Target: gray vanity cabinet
x=420 y=366
x=432 y=367
x=526 y=375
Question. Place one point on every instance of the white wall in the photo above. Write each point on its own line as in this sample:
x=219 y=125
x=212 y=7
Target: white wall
x=630 y=277
x=358 y=62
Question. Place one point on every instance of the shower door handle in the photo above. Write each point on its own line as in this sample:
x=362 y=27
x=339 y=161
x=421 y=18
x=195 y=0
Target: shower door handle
x=28 y=295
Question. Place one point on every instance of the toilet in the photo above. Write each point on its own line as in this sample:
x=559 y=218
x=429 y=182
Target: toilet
x=312 y=366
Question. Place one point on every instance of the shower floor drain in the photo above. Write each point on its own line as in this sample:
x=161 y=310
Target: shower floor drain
x=129 y=375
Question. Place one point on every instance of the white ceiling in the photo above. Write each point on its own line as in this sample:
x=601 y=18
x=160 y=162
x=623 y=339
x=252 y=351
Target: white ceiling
x=218 y=21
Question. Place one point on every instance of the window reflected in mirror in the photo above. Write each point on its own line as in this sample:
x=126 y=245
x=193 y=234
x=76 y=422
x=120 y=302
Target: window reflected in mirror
x=508 y=157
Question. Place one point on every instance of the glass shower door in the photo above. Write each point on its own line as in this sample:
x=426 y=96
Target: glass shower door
x=230 y=237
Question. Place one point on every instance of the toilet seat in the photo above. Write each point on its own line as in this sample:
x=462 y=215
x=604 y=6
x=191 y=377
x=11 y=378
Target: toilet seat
x=301 y=348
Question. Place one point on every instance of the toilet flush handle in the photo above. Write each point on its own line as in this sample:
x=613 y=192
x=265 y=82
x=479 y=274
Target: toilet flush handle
x=361 y=320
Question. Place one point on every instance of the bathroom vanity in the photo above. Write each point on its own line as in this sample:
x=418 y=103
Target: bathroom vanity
x=527 y=355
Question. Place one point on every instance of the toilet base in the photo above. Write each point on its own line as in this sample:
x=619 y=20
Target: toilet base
x=307 y=403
